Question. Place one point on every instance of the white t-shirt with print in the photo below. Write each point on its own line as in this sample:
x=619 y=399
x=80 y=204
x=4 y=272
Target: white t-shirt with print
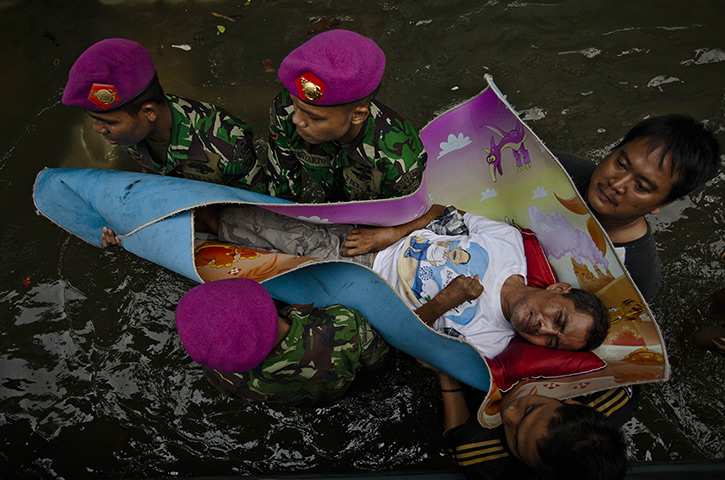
x=421 y=264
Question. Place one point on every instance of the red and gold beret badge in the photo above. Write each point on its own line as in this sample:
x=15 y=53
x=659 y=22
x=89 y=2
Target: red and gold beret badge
x=309 y=87
x=105 y=96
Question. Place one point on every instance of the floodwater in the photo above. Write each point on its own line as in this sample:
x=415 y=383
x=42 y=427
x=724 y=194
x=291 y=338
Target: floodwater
x=93 y=381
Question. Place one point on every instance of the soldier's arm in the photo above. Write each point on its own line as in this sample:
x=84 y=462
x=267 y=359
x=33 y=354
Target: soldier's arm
x=239 y=165
x=282 y=169
x=403 y=160
x=373 y=348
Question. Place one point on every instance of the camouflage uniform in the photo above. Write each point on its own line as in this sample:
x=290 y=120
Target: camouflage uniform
x=317 y=360
x=208 y=144
x=386 y=160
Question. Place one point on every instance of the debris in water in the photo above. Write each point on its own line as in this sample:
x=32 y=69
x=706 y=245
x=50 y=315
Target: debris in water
x=26 y=282
x=182 y=46
x=220 y=29
x=219 y=15
x=325 y=23
x=48 y=36
x=268 y=65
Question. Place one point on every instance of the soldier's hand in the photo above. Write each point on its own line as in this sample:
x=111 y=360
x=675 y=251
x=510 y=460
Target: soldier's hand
x=108 y=238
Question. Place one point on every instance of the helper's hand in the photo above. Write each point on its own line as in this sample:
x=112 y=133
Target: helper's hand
x=108 y=238
x=364 y=240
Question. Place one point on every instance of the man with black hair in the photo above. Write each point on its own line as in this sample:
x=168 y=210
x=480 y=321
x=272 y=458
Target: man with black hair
x=115 y=82
x=540 y=437
x=578 y=439
x=660 y=159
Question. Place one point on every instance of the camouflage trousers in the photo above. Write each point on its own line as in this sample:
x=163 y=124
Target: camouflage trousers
x=255 y=227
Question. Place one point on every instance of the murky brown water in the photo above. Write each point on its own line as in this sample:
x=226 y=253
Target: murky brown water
x=94 y=384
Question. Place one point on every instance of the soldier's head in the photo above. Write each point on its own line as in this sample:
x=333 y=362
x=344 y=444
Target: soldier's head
x=115 y=82
x=659 y=160
x=229 y=325
x=564 y=440
x=332 y=78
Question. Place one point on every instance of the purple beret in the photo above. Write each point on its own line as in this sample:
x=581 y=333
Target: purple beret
x=333 y=68
x=229 y=325
x=108 y=74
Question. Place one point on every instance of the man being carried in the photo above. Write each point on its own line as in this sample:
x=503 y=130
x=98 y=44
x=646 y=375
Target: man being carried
x=470 y=285
x=329 y=140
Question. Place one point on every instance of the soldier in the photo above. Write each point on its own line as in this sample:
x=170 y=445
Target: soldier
x=301 y=354
x=115 y=82
x=329 y=140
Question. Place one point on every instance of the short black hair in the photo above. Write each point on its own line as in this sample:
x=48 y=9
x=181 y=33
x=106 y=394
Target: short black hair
x=589 y=304
x=693 y=151
x=153 y=93
x=582 y=444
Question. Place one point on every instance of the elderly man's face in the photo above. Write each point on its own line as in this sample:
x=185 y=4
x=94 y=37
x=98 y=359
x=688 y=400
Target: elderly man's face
x=545 y=317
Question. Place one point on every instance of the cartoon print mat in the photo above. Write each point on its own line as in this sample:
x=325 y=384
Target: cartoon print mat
x=141 y=209
x=152 y=213
x=481 y=158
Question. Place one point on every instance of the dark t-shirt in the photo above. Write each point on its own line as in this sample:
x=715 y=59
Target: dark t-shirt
x=641 y=258
x=483 y=454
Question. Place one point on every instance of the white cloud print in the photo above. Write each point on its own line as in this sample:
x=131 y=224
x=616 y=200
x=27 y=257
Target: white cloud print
x=539 y=192
x=489 y=193
x=314 y=219
x=454 y=143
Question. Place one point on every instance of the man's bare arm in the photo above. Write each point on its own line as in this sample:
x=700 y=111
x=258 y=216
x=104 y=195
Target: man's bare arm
x=374 y=239
x=460 y=289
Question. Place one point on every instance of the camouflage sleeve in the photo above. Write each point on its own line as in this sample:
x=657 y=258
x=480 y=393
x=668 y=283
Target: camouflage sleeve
x=240 y=167
x=231 y=387
x=283 y=169
x=372 y=346
x=403 y=159
x=317 y=360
